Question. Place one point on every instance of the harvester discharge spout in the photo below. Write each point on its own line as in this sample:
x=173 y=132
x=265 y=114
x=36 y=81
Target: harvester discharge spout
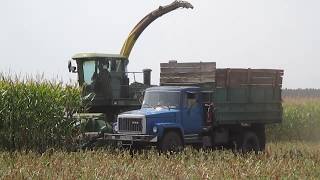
x=147 y=20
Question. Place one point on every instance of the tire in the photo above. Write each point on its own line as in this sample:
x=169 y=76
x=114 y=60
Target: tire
x=249 y=143
x=262 y=137
x=262 y=140
x=171 y=142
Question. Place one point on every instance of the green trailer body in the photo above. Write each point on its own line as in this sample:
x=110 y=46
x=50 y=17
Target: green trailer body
x=248 y=96
x=238 y=95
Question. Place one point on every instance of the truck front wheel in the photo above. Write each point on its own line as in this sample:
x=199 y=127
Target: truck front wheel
x=171 y=142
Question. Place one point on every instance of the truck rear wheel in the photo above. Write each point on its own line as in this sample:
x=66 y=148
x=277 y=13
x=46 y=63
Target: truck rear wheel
x=249 y=143
x=262 y=138
x=171 y=142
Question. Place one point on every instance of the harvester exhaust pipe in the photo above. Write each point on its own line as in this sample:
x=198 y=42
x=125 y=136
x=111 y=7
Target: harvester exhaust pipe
x=147 y=77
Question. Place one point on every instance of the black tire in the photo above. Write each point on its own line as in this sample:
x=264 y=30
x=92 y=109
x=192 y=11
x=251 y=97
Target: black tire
x=262 y=138
x=249 y=143
x=171 y=142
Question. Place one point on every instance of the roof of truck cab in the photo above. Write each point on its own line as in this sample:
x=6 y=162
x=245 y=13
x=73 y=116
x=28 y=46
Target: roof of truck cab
x=173 y=88
x=97 y=55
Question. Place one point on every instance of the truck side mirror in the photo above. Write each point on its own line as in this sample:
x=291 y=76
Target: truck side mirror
x=71 y=68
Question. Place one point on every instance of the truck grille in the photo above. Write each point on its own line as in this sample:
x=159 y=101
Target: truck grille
x=130 y=124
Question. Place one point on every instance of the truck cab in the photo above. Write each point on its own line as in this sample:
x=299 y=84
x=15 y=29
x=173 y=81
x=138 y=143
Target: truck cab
x=175 y=110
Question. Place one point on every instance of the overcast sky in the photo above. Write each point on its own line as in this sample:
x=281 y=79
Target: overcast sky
x=40 y=36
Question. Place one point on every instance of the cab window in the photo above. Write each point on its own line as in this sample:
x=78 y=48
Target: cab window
x=89 y=68
x=190 y=100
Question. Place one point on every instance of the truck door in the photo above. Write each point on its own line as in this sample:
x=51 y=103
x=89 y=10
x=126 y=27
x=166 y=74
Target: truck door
x=192 y=113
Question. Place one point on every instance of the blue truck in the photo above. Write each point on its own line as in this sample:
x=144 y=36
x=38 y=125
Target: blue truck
x=199 y=105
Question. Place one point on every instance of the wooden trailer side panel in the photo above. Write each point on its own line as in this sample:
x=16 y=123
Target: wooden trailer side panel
x=174 y=73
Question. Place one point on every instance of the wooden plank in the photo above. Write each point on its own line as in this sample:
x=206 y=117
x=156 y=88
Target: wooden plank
x=197 y=78
x=187 y=73
x=240 y=77
x=188 y=64
x=182 y=67
x=186 y=70
x=189 y=80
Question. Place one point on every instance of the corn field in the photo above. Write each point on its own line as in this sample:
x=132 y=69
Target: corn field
x=280 y=161
x=301 y=121
x=36 y=114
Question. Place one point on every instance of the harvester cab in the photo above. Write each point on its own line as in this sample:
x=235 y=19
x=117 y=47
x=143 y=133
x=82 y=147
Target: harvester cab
x=102 y=77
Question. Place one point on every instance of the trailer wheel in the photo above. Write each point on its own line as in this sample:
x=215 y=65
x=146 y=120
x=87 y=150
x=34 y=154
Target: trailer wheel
x=262 y=138
x=171 y=142
x=249 y=143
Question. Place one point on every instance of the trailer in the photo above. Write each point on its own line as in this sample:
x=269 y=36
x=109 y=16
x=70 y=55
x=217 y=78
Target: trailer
x=199 y=105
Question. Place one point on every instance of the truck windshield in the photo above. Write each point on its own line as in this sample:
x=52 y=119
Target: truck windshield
x=165 y=99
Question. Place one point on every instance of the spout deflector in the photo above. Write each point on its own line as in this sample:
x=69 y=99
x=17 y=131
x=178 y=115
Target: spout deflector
x=147 y=20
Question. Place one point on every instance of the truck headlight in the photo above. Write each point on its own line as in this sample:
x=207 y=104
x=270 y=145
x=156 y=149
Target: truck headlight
x=115 y=127
x=154 y=129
